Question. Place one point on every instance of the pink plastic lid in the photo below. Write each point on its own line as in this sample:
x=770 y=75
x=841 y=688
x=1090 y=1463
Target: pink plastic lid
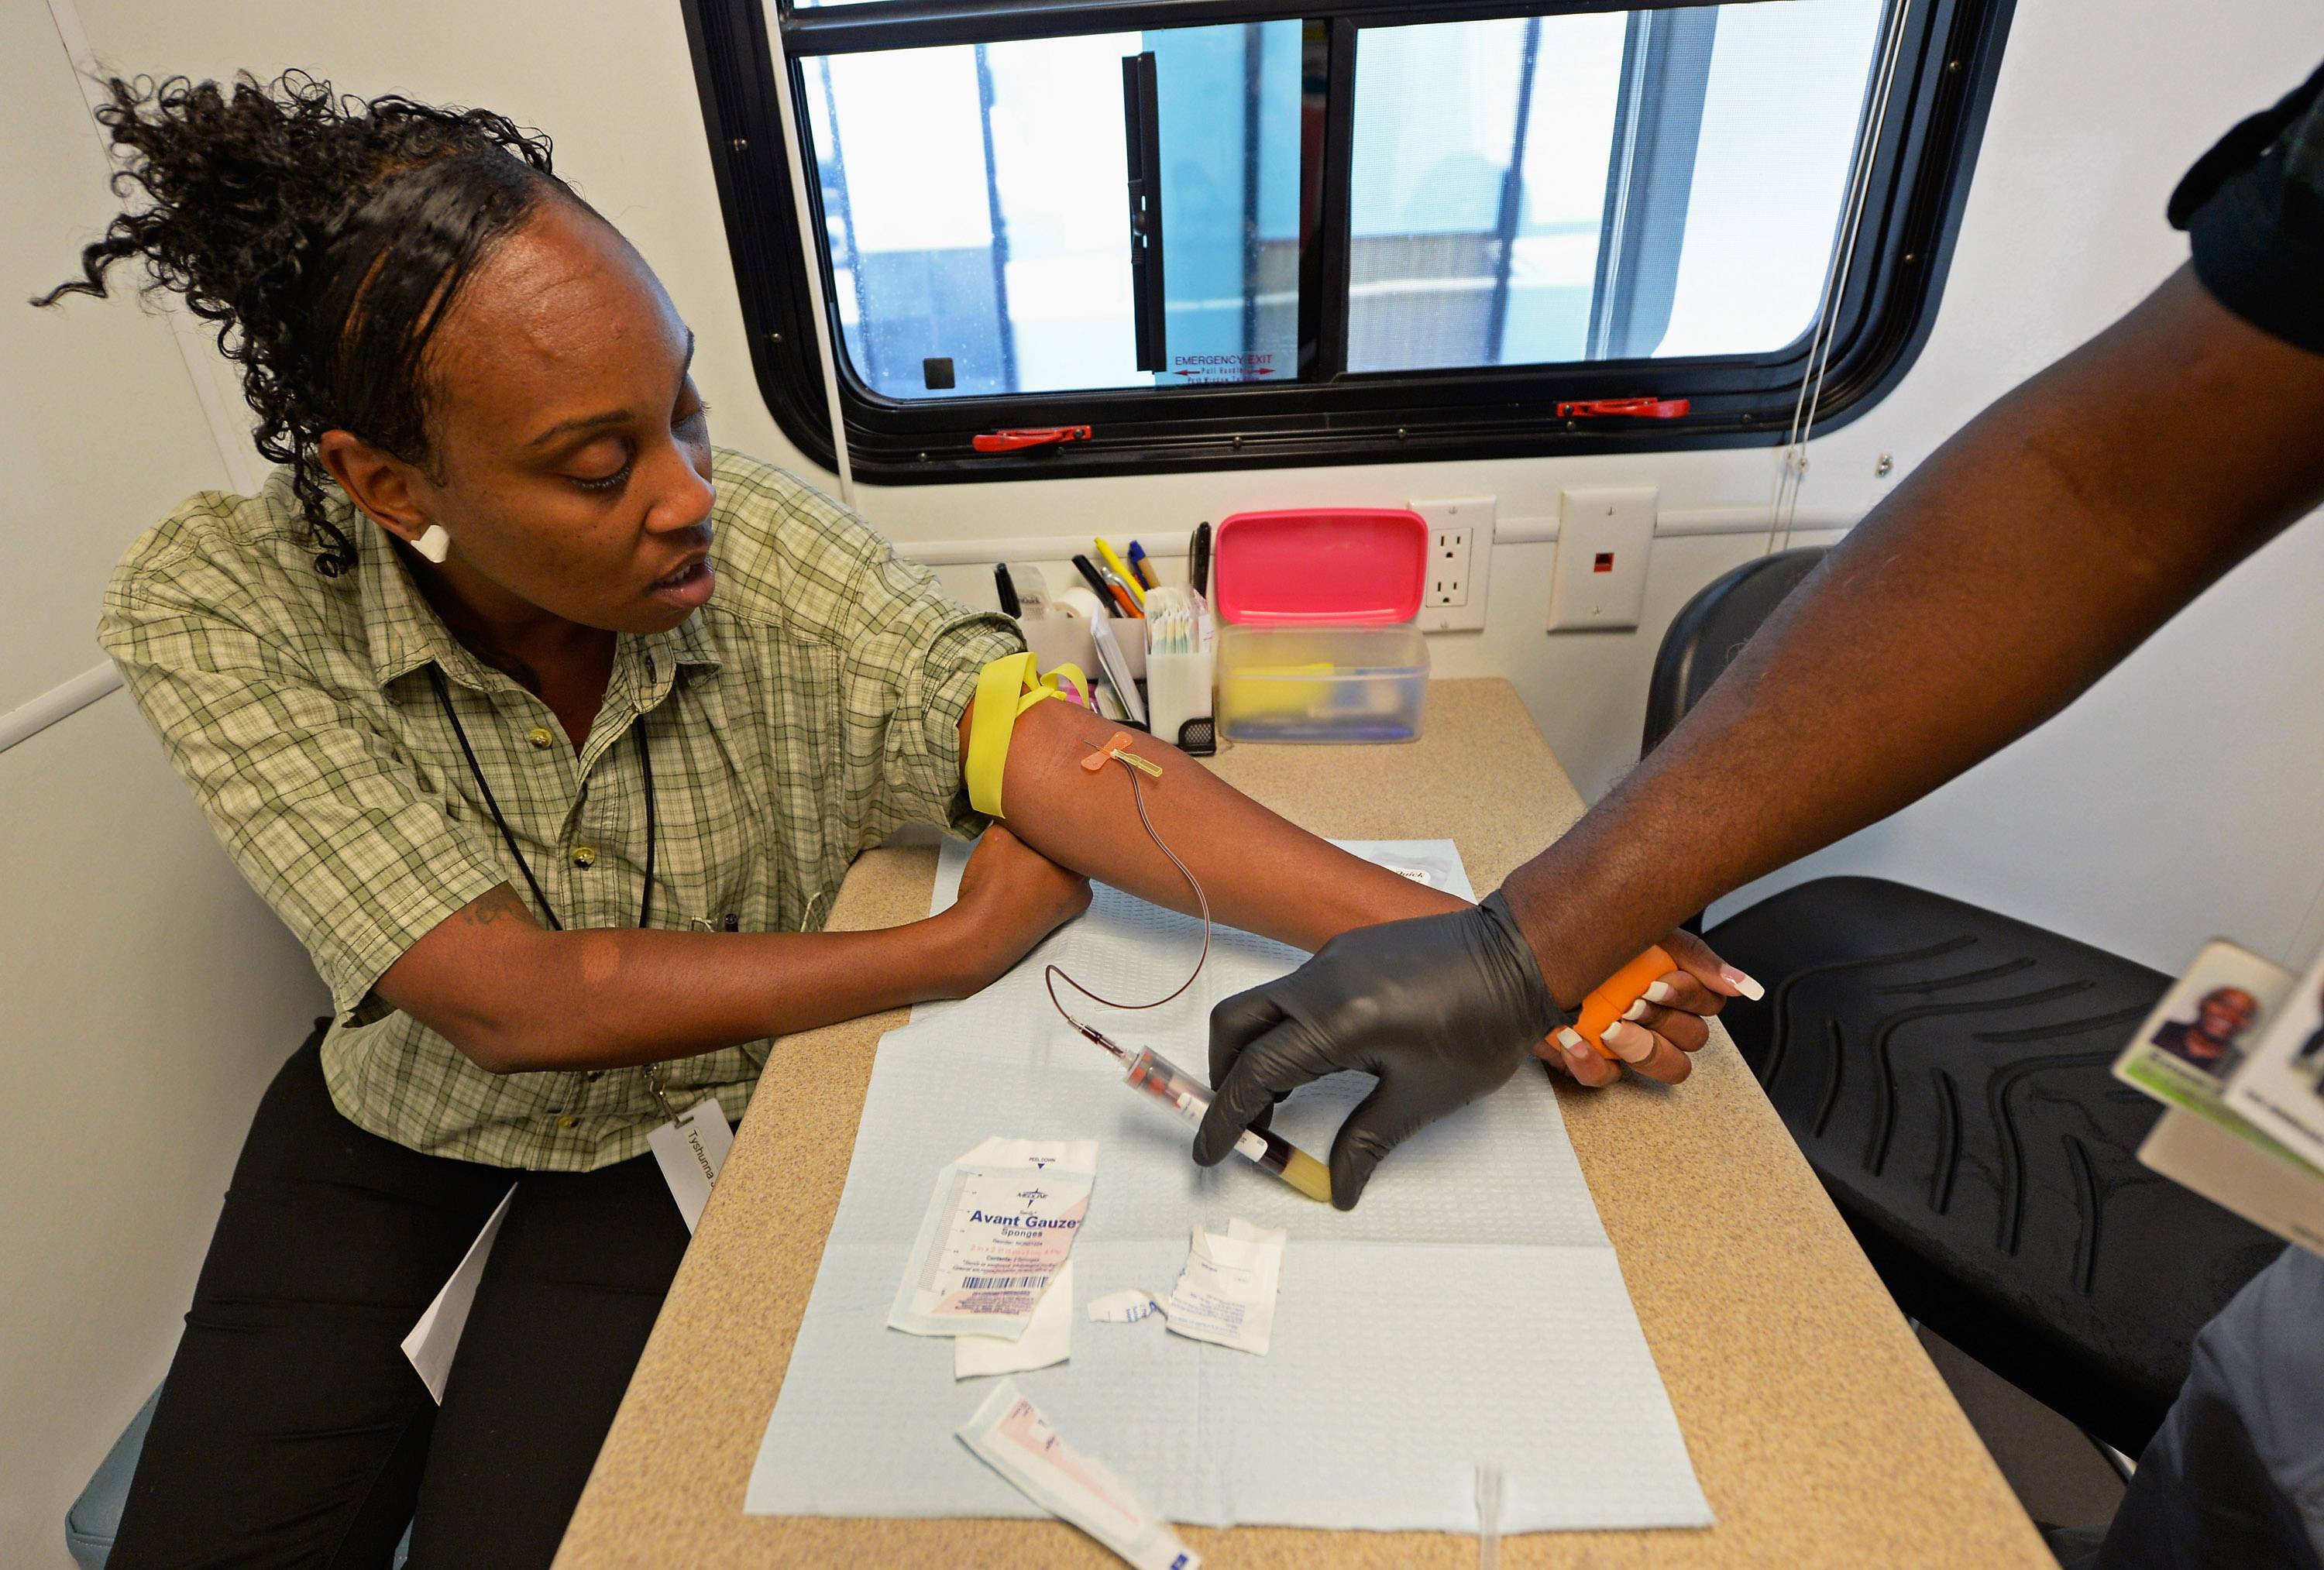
x=1307 y=566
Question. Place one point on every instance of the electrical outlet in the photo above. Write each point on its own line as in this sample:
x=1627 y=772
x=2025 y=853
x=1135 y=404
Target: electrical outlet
x=1604 y=538
x=1448 y=569
x=1460 y=558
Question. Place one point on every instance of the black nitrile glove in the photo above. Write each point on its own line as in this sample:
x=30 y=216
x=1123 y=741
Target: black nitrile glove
x=1442 y=1009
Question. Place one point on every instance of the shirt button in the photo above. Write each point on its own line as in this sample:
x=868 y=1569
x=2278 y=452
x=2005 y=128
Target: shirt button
x=568 y=1122
x=540 y=738
x=594 y=1074
x=585 y=855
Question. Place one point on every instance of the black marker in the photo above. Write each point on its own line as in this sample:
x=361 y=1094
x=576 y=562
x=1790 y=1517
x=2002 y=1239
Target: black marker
x=1008 y=590
x=1088 y=570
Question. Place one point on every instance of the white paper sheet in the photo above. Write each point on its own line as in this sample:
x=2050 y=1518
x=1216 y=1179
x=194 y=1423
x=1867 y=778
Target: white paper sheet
x=436 y=1338
x=1469 y=1312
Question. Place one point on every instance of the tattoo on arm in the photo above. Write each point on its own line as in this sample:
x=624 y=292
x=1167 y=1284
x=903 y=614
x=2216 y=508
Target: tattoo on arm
x=489 y=908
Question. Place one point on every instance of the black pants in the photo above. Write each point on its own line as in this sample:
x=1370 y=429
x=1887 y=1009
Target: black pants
x=291 y=1430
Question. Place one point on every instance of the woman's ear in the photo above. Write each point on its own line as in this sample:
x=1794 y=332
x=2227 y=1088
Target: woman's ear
x=376 y=481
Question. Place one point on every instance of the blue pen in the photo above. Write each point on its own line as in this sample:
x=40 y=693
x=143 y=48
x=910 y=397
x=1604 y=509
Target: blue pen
x=1146 y=574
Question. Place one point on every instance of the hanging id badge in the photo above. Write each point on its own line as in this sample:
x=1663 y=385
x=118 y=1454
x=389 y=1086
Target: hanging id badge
x=691 y=1150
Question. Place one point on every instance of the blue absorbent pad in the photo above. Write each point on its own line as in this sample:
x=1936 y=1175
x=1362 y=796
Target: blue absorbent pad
x=1469 y=1312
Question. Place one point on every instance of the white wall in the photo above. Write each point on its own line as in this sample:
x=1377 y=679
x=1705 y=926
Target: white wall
x=145 y=994
x=78 y=378
x=2166 y=807
x=149 y=997
x=2177 y=800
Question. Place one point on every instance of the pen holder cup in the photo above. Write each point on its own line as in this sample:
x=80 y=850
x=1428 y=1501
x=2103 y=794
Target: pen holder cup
x=1178 y=700
x=1059 y=640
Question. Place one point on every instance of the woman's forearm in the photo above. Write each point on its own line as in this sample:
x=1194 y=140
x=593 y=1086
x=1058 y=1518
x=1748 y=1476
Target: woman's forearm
x=1261 y=873
x=516 y=997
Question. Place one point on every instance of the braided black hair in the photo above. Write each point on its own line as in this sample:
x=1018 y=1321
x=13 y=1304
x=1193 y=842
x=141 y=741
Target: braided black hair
x=325 y=236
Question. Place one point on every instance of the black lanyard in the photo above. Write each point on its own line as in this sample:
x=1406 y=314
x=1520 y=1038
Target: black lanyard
x=645 y=763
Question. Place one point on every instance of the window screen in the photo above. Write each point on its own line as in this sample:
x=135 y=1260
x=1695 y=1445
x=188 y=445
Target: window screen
x=1290 y=237
x=1604 y=186
x=978 y=244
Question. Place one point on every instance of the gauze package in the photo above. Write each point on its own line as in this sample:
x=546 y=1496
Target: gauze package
x=997 y=1231
x=1226 y=1293
x=1010 y=1434
x=1048 y=1339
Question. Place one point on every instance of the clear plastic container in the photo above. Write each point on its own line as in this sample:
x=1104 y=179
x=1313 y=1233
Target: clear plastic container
x=1322 y=684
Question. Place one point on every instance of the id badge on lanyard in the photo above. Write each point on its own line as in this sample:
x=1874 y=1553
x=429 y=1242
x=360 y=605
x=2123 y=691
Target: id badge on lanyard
x=690 y=1149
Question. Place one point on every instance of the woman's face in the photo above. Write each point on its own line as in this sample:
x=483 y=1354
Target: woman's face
x=571 y=462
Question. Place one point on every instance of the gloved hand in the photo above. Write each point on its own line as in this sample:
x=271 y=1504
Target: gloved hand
x=1442 y=1009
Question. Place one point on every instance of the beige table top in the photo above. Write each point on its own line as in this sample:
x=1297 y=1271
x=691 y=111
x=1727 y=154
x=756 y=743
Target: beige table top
x=1820 y=1430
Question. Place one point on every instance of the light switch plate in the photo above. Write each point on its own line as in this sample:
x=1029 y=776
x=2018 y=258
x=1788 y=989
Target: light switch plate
x=1604 y=538
x=1460 y=560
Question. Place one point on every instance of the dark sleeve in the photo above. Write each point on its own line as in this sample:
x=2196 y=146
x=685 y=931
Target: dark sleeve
x=2252 y=207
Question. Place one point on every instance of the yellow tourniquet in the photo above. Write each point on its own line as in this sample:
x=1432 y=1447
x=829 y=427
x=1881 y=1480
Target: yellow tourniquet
x=1005 y=689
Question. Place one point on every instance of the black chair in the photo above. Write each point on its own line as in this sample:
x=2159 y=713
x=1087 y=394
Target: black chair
x=1712 y=628
x=1944 y=1069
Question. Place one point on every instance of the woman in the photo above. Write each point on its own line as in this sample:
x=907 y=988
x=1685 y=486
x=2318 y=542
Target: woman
x=550 y=731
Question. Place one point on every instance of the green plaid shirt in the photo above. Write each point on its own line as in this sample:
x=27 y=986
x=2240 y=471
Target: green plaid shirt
x=809 y=710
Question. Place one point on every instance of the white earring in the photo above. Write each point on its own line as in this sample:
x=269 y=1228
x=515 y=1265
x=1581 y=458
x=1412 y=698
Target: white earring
x=434 y=544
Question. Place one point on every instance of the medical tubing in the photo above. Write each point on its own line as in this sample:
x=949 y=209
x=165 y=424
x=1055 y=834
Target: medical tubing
x=1154 y=1075
x=1052 y=974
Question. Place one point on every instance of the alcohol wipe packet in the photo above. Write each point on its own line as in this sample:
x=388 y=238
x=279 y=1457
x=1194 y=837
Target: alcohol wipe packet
x=999 y=1228
x=1226 y=1292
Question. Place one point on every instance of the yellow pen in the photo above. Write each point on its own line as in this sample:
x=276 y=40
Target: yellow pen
x=1120 y=569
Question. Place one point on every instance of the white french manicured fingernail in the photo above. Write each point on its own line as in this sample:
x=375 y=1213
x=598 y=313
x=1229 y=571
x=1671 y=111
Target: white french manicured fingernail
x=1659 y=991
x=1639 y=1009
x=1742 y=982
x=1621 y=1036
x=1571 y=1040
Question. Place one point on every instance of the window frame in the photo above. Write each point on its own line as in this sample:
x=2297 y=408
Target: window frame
x=1945 y=73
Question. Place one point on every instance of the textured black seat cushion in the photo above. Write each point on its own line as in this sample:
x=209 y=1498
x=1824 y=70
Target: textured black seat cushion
x=1945 y=1070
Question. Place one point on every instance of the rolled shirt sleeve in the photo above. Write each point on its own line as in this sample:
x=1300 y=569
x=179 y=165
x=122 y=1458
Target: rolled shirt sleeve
x=919 y=655
x=904 y=655
x=319 y=812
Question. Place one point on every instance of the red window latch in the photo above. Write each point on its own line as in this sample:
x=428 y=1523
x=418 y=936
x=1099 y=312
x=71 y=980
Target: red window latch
x=1635 y=408
x=1011 y=441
